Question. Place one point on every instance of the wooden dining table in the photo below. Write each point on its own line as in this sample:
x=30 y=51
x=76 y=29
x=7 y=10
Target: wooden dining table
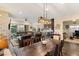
x=36 y=49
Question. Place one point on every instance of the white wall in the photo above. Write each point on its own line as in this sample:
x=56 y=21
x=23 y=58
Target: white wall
x=20 y=24
x=4 y=21
x=58 y=27
x=59 y=23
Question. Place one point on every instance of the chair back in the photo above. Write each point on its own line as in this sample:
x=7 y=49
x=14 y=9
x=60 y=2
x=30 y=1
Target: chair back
x=60 y=47
x=38 y=36
x=56 y=39
x=25 y=40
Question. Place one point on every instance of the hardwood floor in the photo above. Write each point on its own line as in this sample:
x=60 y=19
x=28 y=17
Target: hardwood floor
x=71 y=49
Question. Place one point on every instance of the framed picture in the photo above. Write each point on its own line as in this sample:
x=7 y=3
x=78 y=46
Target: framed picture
x=67 y=26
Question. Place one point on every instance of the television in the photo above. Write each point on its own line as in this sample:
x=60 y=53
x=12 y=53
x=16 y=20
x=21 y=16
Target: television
x=77 y=33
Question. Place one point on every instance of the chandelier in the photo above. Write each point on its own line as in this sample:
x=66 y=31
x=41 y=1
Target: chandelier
x=43 y=19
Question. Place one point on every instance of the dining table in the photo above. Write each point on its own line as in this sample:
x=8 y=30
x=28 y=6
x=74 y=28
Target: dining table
x=37 y=49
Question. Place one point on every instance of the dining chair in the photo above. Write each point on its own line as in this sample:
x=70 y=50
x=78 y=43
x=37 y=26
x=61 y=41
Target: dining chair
x=34 y=40
x=51 y=53
x=58 y=49
x=38 y=36
x=61 y=47
x=54 y=52
x=26 y=42
x=56 y=39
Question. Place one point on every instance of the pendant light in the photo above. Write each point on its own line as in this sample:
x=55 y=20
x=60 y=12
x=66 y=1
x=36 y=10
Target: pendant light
x=42 y=18
x=45 y=10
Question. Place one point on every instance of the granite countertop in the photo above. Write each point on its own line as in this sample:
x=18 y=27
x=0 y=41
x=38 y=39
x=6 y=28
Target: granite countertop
x=14 y=42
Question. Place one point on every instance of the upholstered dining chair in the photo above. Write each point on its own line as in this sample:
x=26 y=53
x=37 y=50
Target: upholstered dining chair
x=56 y=40
x=61 y=48
x=59 y=45
x=38 y=36
x=25 y=40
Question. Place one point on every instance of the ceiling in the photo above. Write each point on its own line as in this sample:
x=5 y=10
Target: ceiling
x=32 y=11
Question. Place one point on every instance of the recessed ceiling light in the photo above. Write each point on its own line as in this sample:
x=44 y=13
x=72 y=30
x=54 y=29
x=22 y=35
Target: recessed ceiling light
x=62 y=3
x=46 y=9
x=20 y=12
x=0 y=15
x=74 y=20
